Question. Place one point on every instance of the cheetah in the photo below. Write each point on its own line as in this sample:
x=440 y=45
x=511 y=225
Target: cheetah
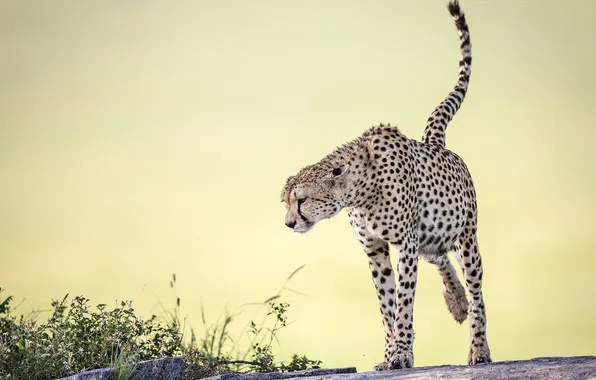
x=415 y=196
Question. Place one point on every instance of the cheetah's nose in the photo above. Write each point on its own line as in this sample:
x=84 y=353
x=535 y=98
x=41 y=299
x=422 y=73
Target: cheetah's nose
x=291 y=224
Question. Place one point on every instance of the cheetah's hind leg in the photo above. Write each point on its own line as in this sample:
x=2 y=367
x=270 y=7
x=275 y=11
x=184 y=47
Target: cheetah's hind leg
x=453 y=290
x=467 y=250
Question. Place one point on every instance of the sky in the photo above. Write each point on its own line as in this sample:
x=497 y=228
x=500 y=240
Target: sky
x=141 y=139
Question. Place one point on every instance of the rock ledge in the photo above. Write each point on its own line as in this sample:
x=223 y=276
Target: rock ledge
x=552 y=368
x=158 y=369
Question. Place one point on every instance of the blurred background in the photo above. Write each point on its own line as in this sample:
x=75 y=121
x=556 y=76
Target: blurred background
x=144 y=138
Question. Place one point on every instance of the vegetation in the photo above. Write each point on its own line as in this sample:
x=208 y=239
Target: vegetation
x=78 y=337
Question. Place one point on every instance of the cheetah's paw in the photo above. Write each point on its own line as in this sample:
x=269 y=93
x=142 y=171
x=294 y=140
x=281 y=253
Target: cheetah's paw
x=457 y=303
x=479 y=356
x=401 y=360
x=381 y=366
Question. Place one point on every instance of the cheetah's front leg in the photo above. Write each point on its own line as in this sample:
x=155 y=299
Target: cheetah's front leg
x=406 y=290
x=379 y=263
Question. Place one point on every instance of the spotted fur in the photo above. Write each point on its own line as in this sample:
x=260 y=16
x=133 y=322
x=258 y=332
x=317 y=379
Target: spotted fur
x=415 y=196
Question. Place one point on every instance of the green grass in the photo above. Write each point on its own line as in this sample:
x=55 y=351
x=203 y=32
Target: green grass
x=78 y=336
x=123 y=364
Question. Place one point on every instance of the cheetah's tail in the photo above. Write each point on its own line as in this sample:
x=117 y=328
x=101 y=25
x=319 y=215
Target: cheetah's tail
x=434 y=133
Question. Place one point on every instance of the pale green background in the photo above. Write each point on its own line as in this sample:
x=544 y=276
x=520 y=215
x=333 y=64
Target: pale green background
x=141 y=138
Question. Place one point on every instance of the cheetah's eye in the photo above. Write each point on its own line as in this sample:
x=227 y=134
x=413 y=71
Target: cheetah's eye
x=340 y=170
x=301 y=201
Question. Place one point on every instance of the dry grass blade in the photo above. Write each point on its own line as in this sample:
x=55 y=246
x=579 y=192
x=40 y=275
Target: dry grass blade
x=296 y=271
x=294 y=291
x=271 y=299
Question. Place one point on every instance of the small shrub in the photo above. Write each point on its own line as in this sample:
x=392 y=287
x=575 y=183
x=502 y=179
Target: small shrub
x=300 y=363
x=78 y=337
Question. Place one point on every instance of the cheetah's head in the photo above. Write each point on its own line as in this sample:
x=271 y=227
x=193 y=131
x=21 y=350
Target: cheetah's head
x=315 y=193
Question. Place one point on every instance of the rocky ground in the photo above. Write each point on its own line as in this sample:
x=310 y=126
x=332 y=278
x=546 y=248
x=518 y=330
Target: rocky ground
x=555 y=368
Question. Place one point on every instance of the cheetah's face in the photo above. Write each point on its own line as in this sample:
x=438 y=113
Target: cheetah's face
x=314 y=194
